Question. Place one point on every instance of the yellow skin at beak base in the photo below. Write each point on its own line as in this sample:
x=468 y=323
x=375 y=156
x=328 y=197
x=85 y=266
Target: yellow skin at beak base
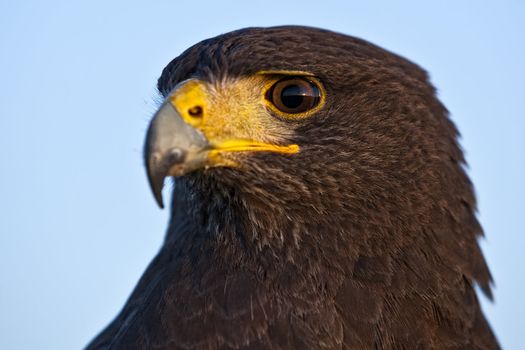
x=233 y=117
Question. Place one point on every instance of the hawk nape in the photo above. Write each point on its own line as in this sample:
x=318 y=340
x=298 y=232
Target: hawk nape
x=320 y=202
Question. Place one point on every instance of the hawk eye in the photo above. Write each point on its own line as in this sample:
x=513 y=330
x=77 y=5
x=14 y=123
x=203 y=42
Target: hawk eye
x=294 y=95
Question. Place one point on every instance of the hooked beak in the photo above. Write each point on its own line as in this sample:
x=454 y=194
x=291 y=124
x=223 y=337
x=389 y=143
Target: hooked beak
x=172 y=148
x=187 y=133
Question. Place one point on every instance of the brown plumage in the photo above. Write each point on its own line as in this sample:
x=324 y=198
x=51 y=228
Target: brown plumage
x=365 y=239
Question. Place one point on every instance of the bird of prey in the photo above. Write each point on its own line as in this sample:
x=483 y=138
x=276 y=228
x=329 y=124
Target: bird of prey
x=320 y=201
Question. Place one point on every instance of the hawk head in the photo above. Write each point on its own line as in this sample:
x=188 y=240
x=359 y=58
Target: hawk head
x=310 y=134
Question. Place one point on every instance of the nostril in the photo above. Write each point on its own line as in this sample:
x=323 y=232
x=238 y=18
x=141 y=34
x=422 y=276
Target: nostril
x=195 y=111
x=175 y=156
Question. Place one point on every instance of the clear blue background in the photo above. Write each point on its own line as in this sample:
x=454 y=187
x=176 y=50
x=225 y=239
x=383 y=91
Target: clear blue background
x=78 y=224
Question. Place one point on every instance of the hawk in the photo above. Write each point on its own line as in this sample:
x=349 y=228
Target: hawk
x=320 y=201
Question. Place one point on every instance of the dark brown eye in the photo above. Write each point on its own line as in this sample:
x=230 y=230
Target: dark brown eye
x=294 y=95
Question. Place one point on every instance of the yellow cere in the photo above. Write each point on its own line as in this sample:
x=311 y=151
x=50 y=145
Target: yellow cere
x=233 y=114
x=189 y=95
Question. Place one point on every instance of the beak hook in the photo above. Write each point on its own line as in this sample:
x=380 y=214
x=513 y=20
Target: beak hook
x=172 y=148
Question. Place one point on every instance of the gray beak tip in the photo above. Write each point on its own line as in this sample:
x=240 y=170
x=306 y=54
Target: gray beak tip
x=172 y=148
x=156 y=188
x=156 y=175
x=159 y=201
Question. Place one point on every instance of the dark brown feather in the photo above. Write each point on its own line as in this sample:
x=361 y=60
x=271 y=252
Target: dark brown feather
x=366 y=239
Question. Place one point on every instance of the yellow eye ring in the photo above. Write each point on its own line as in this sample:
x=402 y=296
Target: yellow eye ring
x=295 y=96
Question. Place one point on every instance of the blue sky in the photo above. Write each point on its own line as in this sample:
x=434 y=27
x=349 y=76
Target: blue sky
x=78 y=223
